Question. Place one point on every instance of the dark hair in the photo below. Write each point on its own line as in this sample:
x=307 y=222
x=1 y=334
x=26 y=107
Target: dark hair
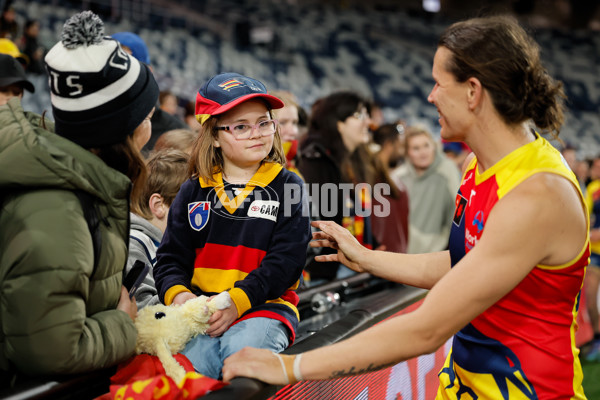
x=389 y=132
x=29 y=23
x=127 y=159
x=190 y=108
x=325 y=114
x=162 y=95
x=506 y=60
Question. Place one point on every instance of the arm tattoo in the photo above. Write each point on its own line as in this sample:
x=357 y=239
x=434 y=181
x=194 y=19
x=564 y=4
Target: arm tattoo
x=353 y=371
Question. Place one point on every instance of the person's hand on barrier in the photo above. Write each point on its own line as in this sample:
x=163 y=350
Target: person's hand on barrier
x=221 y=320
x=127 y=304
x=337 y=237
x=260 y=364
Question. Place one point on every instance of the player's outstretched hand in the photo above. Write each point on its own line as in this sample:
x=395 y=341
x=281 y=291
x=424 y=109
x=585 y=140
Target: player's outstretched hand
x=349 y=250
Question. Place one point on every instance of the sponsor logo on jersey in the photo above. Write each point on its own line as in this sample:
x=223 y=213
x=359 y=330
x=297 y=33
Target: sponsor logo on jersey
x=267 y=209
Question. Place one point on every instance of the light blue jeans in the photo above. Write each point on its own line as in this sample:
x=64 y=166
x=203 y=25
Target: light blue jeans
x=207 y=353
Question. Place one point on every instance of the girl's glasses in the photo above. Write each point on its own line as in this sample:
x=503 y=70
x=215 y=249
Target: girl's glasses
x=244 y=131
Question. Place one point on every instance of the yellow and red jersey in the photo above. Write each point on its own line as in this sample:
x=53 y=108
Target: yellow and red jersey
x=523 y=347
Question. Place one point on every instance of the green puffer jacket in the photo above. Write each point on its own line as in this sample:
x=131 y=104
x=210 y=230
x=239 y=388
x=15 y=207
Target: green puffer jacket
x=56 y=316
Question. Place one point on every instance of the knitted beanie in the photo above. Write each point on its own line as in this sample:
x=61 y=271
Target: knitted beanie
x=99 y=93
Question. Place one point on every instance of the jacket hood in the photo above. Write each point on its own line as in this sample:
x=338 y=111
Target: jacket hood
x=34 y=157
x=140 y=224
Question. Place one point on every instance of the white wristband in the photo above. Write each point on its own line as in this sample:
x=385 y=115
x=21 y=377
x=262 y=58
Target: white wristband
x=297 y=372
x=287 y=381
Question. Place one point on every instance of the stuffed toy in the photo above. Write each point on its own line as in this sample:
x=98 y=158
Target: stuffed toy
x=165 y=330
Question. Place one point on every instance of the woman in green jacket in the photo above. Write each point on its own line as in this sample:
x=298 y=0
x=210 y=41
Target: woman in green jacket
x=64 y=216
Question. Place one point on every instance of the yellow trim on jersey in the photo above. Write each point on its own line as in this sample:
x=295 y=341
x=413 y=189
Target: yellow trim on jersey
x=535 y=162
x=286 y=303
x=577 y=370
x=241 y=300
x=262 y=177
x=174 y=291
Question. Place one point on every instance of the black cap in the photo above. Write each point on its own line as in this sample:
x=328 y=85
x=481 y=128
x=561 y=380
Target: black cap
x=12 y=72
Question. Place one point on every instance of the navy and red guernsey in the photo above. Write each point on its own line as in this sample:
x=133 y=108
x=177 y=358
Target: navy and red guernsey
x=250 y=240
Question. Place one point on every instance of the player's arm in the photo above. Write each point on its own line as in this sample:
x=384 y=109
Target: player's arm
x=420 y=270
x=540 y=222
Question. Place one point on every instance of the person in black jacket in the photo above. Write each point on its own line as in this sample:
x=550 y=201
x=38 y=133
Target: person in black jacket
x=339 y=125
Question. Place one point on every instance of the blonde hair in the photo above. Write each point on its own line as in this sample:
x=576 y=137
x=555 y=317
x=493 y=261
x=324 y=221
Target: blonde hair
x=206 y=159
x=417 y=130
x=167 y=171
x=180 y=139
x=288 y=98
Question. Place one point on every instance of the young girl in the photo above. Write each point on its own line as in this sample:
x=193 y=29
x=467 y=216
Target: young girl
x=238 y=225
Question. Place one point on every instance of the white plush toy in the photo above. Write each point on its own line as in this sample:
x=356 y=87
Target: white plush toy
x=165 y=330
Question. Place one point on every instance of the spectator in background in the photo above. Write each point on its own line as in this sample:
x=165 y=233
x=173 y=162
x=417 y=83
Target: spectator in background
x=168 y=102
x=569 y=153
x=180 y=139
x=13 y=81
x=592 y=277
x=9 y=47
x=377 y=117
x=167 y=170
x=190 y=116
x=456 y=152
x=64 y=222
x=582 y=171
x=302 y=124
x=9 y=27
x=339 y=124
x=431 y=180
x=32 y=48
x=287 y=118
x=390 y=230
x=389 y=139
x=161 y=121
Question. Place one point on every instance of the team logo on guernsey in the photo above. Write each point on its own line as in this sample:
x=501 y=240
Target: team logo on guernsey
x=459 y=211
x=198 y=214
x=478 y=221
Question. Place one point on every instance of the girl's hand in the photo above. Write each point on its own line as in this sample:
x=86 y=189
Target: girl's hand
x=182 y=297
x=126 y=304
x=221 y=320
x=336 y=237
x=260 y=364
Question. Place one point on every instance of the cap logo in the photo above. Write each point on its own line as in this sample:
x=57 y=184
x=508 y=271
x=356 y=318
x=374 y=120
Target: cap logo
x=230 y=84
